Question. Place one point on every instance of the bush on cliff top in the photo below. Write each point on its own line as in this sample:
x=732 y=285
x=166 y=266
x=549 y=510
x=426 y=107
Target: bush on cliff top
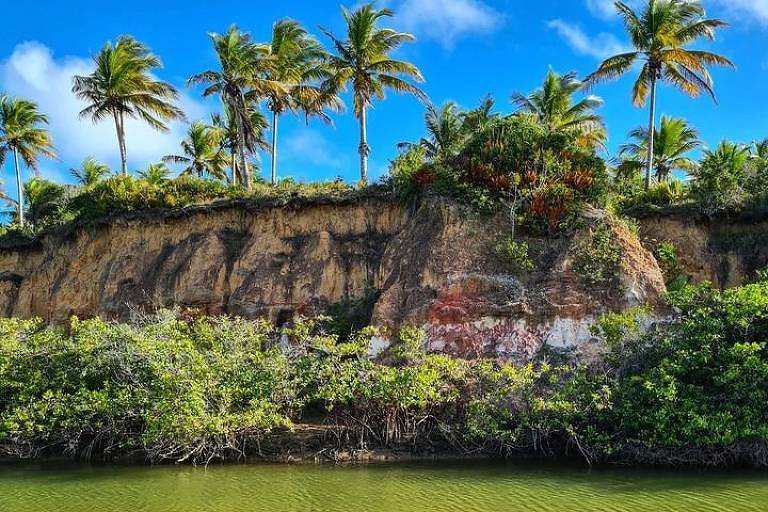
x=51 y=204
x=507 y=160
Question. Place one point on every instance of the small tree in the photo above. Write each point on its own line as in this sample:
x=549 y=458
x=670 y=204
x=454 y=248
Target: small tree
x=201 y=152
x=718 y=181
x=91 y=171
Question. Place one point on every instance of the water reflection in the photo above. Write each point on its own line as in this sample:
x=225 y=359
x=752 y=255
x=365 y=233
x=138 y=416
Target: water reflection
x=465 y=486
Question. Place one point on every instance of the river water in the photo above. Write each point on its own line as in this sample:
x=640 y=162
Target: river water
x=461 y=487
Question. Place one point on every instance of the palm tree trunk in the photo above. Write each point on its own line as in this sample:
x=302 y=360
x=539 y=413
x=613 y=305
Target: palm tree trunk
x=651 y=134
x=274 y=147
x=234 y=167
x=244 y=171
x=121 y=143
x=19 y=188
x=364 y=149
x=125 y=144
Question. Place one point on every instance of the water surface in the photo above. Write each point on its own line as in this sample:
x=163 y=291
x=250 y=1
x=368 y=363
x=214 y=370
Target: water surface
x=465 y=487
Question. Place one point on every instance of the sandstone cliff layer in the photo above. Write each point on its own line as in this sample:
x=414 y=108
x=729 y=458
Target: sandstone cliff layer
x=726 y=249
x=430 y=264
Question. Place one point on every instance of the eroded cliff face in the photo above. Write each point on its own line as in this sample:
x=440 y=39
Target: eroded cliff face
x=468 y=302
x=430 y=265
x=236 y=258
x=726 y=249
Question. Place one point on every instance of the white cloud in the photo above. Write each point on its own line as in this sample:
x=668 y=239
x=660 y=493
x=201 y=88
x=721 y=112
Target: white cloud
x=602 y=8
x=606 y=9
x=756 y=10
x=446 y=21
x=308 y=145
x=599 y=46
x=33 y=72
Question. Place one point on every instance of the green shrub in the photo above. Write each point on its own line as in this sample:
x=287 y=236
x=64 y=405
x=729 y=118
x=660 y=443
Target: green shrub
x=515 y=254
x=718 y=182
x=409 y=345
x=404 y=168
x=664 y=193
x=185 y=386
x=703 y=381
x=597 y=256
x=175 y=388
x=666 y=255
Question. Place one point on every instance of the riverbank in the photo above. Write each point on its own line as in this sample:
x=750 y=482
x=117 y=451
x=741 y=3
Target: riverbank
x=318 y=444
x=194 y=389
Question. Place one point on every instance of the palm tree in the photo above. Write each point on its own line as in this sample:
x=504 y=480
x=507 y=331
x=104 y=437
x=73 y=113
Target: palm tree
x=553 y=107
x=22 y=135
x=45 y=199
x=672 y=142
x=226 y=127
x=660 y=34
x=759 y=149
x=202 y=152
x=445 y=132
x=719 y=179
x=480 y=118
x=756 y=179
x=364 y=60
x=239 y=83
x=121 y=86
x=297 y=68
x=91 y=171
x=156 y=174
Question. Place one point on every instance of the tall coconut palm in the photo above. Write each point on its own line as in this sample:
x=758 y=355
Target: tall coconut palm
x=660 y=35
x=673 y=141
x=202 y=152
x=122 y=87
x=363 y=60
x=555 y=109
x=91 y=171
x=297 y=65
x=240 y=85
x=22 y=134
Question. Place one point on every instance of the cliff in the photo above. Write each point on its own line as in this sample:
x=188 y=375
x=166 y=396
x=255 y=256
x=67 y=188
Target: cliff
x=430 y=264
x=726 y=248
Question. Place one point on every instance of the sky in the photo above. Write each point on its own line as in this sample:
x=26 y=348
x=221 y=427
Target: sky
x=466 y=50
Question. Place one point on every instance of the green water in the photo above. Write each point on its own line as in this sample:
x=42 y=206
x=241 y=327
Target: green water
x=465 y=487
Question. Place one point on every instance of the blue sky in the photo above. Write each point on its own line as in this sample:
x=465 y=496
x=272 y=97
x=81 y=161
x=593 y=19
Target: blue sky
x=466 y=49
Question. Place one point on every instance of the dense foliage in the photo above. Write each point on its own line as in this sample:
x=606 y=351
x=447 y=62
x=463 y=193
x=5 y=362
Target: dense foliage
x=701 y=382
x=540 y=166
x=170 y=388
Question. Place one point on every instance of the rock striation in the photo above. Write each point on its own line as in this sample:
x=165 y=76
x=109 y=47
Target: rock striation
x=726 y=248
x=430 y=263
